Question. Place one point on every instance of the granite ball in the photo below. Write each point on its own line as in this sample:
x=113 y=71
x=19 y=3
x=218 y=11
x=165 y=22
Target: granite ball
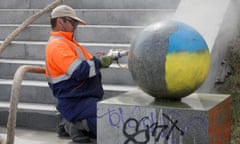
x=169 y=60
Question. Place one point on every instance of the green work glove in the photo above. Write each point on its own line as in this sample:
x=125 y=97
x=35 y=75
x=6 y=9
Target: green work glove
x=106 y=61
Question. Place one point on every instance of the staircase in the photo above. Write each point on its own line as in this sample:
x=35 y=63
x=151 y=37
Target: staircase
x=110 y=25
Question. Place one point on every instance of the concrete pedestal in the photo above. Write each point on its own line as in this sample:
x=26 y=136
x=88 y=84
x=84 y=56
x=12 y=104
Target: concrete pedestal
x=136 y=118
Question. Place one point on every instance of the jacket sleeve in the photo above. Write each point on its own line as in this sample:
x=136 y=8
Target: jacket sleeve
x=86 y=69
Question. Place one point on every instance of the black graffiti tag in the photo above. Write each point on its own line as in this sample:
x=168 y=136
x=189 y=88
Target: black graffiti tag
x=148 y=131
x=174 y=125
x=131 y=137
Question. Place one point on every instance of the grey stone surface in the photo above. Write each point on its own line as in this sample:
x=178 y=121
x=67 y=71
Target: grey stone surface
x=31 y=94
x=92 y=4
x=93 y=34
x=32 y=119
x=39 y=92
x=121 y=17
x=29 y=136
x=125 y=4
x=135 y=117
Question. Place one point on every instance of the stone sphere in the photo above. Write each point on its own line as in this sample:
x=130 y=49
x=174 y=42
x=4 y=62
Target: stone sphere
x=169 y=60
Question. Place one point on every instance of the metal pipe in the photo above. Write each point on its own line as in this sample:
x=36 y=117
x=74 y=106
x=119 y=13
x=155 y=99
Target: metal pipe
x=15 y=92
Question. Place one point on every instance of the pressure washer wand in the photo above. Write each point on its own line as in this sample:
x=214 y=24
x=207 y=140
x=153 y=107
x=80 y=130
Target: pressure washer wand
x=117 y=54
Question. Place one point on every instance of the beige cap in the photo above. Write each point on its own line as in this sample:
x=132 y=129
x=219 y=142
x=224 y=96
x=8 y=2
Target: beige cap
x=64 y=10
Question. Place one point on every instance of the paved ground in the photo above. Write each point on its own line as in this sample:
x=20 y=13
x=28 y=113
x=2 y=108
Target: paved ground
x=25 y=136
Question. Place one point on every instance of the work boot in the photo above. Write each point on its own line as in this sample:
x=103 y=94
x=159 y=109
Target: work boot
x=61 y=131
x=80 y=138
x=77 y=136
x=61 y=126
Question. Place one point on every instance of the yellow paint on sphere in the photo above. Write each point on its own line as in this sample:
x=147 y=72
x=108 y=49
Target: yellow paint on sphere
x=186 y=71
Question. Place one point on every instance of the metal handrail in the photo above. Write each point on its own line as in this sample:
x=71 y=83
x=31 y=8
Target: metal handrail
x=15 y=92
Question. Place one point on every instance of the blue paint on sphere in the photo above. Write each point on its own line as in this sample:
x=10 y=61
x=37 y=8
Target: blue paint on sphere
x=193 y=41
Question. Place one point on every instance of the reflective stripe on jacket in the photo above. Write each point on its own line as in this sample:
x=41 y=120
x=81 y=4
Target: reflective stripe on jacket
x=73 y=75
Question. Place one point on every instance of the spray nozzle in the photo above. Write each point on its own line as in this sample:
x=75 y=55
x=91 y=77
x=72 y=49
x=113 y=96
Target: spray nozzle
x=117 y=53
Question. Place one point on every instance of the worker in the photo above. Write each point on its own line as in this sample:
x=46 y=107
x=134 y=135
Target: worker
x=74 y=76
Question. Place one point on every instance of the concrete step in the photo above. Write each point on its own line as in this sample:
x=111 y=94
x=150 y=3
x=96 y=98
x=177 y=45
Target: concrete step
x=31 y=92
x=30 y=136
x=92 y=4
x=113 y=75
x=39 y=92
x=35 y=50
x=34 y=116
x=124 y=17
x=88 y=33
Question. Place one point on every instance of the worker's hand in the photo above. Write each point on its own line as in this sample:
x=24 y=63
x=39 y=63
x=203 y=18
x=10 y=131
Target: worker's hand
x=106 y=61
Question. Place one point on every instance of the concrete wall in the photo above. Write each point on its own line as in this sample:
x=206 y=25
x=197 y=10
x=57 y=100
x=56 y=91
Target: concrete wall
x=218 y=22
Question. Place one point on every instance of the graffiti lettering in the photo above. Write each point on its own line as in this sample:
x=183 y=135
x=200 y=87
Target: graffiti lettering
x=149 y=130
x=116 y=117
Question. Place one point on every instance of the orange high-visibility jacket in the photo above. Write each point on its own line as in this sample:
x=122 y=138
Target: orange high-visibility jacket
x=73 y=75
